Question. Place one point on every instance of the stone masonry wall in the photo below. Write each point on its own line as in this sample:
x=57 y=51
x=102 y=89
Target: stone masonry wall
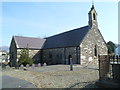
x=92 y=40
x=13 y=53
x=59 y=55
x=35 y=54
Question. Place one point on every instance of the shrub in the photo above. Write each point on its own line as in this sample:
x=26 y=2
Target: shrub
x=111 y=46
x=24 y=57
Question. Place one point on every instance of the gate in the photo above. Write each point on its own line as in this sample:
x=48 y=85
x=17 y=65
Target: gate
x=104 y=63
x=109 y=65
x=115 y=63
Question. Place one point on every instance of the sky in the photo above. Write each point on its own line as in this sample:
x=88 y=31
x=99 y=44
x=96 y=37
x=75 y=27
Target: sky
x=43 y=19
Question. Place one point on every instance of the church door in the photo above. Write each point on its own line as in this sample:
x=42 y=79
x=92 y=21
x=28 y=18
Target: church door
x=69 y=59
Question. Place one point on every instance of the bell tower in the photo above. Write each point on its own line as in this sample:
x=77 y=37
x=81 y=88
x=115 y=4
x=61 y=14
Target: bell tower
x=92 y=17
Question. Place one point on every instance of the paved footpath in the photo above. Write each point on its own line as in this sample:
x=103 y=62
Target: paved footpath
x=11 y=82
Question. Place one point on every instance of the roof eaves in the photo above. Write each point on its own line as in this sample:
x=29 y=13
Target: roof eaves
x=16 y=42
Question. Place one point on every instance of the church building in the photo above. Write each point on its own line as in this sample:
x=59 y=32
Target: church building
x=82 y=44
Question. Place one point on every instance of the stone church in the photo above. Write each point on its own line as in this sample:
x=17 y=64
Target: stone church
x=82 y=44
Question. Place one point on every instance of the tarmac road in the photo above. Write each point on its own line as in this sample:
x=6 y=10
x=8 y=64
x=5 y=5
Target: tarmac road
x=11 y=82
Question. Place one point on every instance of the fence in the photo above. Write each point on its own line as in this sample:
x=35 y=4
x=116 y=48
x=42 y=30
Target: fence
x=109 y=65
x=115 y=64
x=114 y=59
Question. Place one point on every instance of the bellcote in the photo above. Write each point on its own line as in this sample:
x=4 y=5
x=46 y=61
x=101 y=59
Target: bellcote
x=92 y=17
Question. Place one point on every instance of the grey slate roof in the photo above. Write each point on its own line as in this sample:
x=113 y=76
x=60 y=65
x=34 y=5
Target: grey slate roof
x=32 y=43
x=70 y=38
x=67 y=39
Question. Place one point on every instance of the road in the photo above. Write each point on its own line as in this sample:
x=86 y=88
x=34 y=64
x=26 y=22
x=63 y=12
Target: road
x=11 y=82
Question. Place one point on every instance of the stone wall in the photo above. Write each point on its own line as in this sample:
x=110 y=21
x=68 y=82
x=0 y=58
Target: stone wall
x=92 y=41
x=13 y=53
x=60 y=55
x=35 y=54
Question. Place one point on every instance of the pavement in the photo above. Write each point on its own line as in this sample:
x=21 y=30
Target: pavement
x=11 y=82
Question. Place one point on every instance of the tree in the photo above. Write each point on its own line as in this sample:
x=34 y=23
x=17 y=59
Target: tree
x=24 y=57
x=111 y=47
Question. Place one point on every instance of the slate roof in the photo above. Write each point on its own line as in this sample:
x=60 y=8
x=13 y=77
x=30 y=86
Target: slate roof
x=67 y=39
x=32 y=43
x=70 y=38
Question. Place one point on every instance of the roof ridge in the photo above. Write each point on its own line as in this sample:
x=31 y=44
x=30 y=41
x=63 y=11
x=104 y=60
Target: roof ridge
x=67 y=31
x=70 y=38
x=36 y=43
x=29 y=37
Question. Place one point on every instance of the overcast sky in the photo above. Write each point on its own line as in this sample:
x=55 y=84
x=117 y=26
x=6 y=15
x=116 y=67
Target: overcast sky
x=41 y=19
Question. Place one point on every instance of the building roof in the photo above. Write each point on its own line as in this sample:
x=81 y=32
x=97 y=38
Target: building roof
x=70 y=38
x=32 y=43
x=67 y=39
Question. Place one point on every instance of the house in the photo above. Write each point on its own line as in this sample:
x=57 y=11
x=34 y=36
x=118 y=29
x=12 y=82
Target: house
x=117 y=50
x=0 y=56
x=4 y=56
x=82 y=44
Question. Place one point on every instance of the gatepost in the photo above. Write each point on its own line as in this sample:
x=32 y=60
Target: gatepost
x=71 y=64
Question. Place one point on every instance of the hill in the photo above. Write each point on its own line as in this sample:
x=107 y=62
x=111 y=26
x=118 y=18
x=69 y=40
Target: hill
x=4 y=48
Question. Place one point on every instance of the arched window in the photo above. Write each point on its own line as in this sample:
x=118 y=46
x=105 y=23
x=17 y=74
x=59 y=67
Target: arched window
x=94 y=17
x=95 y=51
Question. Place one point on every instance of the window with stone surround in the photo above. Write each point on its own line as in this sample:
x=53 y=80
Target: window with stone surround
x=50 y=55
x=95 y=51
x=57 y=56
x=12 y=56
x=60 y=56
x=94 y=16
